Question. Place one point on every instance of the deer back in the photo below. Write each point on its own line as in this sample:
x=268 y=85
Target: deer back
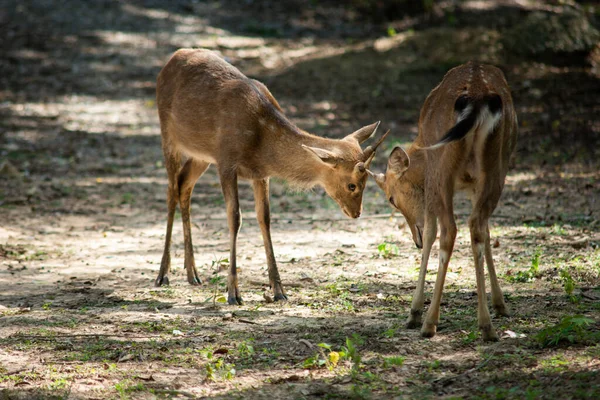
x=209 y=110
x=469 y=123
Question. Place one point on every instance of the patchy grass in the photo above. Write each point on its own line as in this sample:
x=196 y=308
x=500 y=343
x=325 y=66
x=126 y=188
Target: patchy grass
x=82 y=225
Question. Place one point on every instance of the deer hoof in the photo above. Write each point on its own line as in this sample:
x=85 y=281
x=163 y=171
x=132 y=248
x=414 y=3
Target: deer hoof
x=280 y=297
x=489 y=334
x=234 y=300
x=428 y=330
x=160 y=281
x=414 y=320
x=195 y=281
x=192 y=276
x=502 y=310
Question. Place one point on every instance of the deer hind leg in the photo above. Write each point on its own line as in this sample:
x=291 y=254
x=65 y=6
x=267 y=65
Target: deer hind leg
x=416 y=308
x=478 y=226
x=497 y=296
x=191 y=171
x=447 y=237
x=261 y=199
x=234 y=218
x=172 y=164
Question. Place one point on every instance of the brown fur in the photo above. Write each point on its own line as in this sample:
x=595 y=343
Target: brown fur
x=421 y=183
x=211 y=113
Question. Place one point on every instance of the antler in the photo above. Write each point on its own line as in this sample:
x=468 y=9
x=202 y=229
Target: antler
x=370 y=150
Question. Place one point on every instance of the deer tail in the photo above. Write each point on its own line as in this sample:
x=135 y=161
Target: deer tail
x=472 y=113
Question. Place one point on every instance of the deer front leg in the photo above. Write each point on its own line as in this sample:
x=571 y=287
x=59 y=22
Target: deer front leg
x=447 y=237
x=416 y=308
x=191 y=171
x=172 y=166
x=497 y=296
x=234 y=218
x=478 y=229
x=263 y=216
x=165 y=264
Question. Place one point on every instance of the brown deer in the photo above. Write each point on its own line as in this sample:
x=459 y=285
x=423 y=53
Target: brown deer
x=211 y=113
x=467 y=134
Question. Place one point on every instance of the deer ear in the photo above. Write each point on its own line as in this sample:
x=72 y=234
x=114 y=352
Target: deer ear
x=325 y=155
x=360 y=168
x=363 y=133
x=399 y=161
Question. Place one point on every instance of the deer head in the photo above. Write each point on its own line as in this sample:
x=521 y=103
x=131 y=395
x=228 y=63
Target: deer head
x=403 y=191
x=344 y=173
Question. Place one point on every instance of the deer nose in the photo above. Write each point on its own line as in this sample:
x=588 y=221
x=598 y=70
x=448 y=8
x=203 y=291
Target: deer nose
x=357 y=214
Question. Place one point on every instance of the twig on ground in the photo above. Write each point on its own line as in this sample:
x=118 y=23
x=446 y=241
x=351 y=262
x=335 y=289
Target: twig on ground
x=247 y=321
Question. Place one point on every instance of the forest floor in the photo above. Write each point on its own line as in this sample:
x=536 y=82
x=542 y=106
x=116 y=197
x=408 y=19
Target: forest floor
x=83 y=215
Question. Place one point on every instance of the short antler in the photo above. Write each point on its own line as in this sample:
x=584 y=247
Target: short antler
x=370 y=150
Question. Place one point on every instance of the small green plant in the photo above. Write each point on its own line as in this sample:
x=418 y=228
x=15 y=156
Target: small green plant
x=47 y=305
x=332 y=358
x=245 y=349
x=321 y=359
x=559 y=230
x=531 y=273
x=219 y=369
x=334 y=289
x=352 y=350
x=388 y=250
x=433 y=365
x=216 y=367
x=128 y=198
x=568 y=282
x=555 y=364
x=470 y=337
x=571 y=329
x=397 y=361
x=127 y=386
x=58 y=384
x=218 y=281
x=391 y=32
x=389 y=333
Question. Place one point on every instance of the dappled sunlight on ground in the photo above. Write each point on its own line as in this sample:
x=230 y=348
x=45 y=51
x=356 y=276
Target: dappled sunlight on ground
x=83 y=214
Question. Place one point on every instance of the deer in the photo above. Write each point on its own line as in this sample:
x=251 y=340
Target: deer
x=211 y=113
x=466 y=136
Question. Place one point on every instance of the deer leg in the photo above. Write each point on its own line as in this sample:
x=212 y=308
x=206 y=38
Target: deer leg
x=416 y=308
x=191 y=171
x=497 y=296
x=263 y=216
x=447 y=237
x=172 y=161
x=478 y=227
x=234 y=218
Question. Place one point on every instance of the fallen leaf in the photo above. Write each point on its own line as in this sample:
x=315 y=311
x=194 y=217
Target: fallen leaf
x=126 y=357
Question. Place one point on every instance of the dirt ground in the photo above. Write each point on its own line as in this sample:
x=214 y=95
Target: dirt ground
x=83 y=213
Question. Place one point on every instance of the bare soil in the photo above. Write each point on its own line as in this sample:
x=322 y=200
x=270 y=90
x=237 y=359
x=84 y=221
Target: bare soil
x=82 y=214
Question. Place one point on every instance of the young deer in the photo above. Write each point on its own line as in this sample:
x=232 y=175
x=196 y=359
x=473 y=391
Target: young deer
x=210 y=113
x=467 y=133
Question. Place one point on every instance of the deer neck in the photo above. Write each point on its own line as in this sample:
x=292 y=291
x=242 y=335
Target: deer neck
x=292 y=162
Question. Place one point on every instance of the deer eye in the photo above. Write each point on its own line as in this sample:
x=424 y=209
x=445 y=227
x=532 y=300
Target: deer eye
x=391 y=200
x=351 y=187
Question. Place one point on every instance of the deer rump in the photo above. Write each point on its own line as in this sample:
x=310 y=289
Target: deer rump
x=474 y=114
